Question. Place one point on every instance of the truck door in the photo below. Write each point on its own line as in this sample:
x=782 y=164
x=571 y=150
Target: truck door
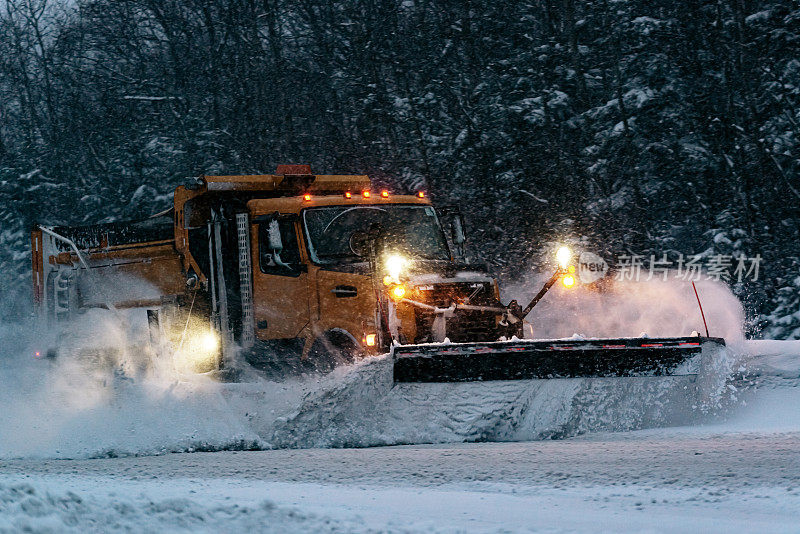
x=280 y=284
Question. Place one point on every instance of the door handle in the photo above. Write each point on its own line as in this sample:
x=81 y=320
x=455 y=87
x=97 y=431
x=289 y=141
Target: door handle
x=342 y=292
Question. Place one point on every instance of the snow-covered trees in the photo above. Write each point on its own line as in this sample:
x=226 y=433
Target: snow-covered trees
x=641 y=126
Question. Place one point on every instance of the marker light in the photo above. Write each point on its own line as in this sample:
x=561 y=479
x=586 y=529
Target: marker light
x=369 y=340
x=394 y=265
x=307 y=197
x=563 y=255
x=384 y=194
x=365 y=194
x=348 y=194
x=387 y=280
x=571 y=269
x=398 y=292
x=421 y=194
x=568 y=281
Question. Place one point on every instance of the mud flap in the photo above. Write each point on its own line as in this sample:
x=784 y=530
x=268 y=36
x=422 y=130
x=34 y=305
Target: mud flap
x=522 y=360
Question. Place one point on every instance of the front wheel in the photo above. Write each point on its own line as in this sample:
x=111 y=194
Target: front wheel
x=332 y=350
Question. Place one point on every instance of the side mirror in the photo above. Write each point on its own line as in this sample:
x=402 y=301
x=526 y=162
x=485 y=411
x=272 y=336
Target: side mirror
x=274 y=236
x=458 y=229
x=453 y=218
x=359 y=243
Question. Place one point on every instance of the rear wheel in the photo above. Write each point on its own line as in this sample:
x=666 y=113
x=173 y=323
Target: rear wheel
x=331 y=350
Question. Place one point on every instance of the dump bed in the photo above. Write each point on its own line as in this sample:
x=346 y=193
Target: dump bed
x=131 y=264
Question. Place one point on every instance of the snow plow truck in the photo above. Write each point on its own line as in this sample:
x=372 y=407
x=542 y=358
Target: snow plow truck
x=297 y=272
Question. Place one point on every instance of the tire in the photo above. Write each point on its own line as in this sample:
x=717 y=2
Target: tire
x=331 y=350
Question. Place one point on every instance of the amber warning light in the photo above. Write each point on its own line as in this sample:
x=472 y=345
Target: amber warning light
x=398 y=292
x=348 y=194
x=365 y=194
x=307 y=197
x=421 y=194
x=385 y=194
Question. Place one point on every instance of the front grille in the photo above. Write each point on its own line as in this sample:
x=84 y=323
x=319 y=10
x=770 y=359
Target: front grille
x=443 y=295
x=464 y=325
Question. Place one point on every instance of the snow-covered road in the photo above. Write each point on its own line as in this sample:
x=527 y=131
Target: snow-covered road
x=668 y=480
x=733 y=469
x=665 y=457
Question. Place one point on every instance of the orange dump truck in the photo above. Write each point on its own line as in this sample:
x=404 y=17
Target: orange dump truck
x=296 y=271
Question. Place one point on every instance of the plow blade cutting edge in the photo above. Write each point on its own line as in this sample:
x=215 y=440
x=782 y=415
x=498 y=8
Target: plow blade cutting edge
x=521 y=360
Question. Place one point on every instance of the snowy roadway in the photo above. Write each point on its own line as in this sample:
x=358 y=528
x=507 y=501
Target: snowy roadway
x=678 y=480
x=735 y=472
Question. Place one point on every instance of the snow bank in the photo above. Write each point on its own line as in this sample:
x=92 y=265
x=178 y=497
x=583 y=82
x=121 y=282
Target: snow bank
x=37 y=508
x=773 y=358
x=769 y=407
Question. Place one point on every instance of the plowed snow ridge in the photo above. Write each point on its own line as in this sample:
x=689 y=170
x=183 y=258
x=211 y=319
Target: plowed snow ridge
x=59 y=410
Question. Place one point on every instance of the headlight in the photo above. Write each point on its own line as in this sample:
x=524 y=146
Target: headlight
x=199 y=351
x=395 y=265
x=209 y=342
x=563 y=256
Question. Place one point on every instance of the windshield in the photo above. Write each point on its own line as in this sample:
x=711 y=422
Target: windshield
x=410 y=230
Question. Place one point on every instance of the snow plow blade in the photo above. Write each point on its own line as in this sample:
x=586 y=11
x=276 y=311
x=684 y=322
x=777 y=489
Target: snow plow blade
x=522 y=360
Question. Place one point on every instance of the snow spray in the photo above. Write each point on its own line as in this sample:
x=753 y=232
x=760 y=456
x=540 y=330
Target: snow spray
x=630 y=308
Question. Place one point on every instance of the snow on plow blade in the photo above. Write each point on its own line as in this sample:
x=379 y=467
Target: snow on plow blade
x=521 y=360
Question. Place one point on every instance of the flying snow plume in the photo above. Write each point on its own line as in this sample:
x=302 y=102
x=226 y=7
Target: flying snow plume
x=95 y=399
x=106 y=393
x=629 y=308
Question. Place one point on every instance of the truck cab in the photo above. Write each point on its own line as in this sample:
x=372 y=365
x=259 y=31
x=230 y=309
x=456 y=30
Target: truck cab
x=284 y=270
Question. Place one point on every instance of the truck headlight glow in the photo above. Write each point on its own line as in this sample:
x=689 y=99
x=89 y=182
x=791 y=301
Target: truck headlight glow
x=394 y=265
x=198 y=352
x=563 y=256
x=209 y=342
